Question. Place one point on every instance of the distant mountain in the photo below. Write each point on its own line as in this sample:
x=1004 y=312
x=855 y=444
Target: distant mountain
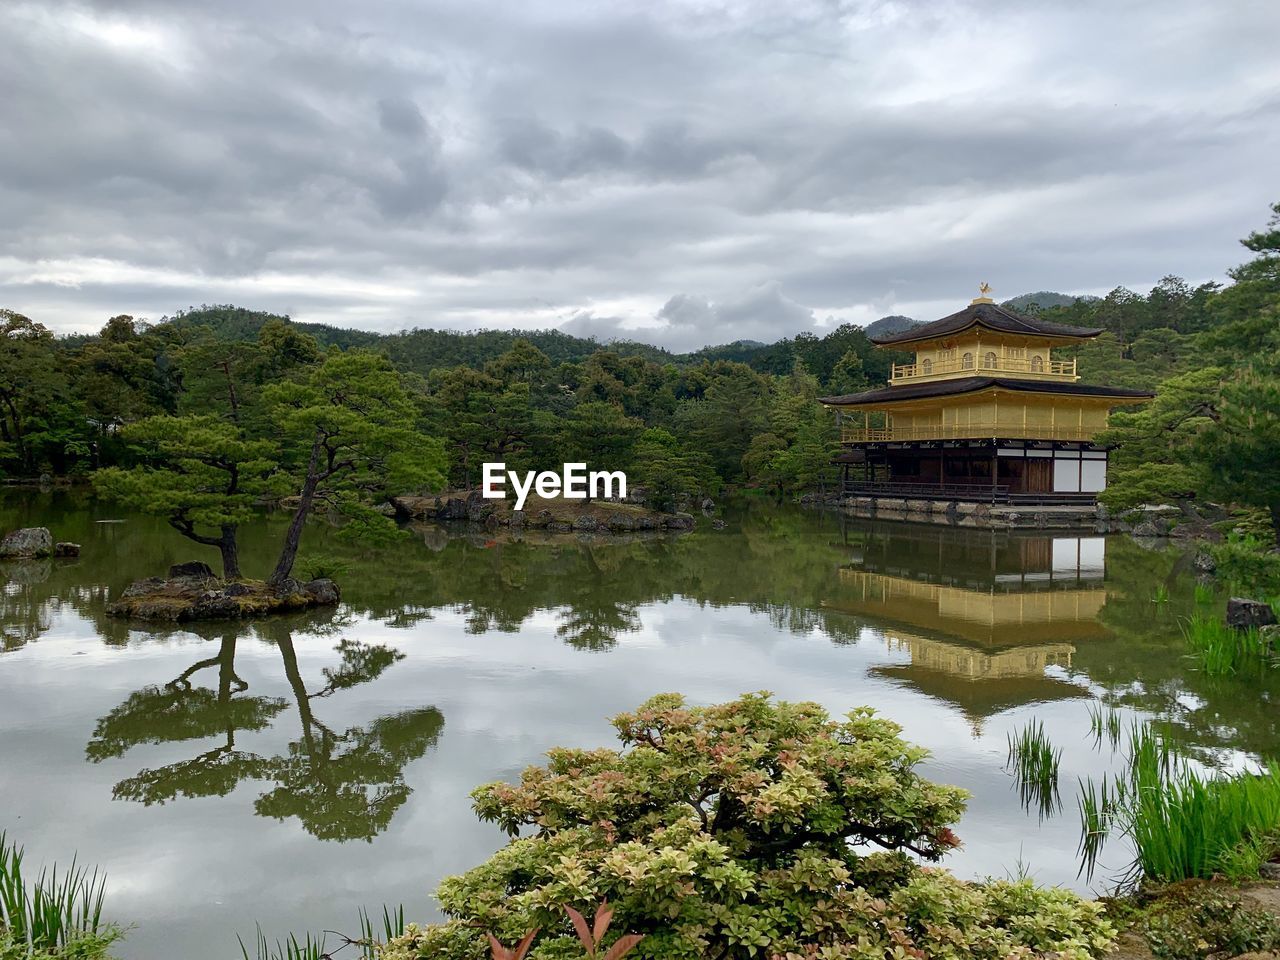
x=1043 y=300
x=887 y=325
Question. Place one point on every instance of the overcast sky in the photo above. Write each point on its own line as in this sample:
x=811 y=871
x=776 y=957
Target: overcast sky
x=682 y=173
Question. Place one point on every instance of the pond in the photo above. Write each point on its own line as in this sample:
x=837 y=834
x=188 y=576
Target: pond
x=288 y=771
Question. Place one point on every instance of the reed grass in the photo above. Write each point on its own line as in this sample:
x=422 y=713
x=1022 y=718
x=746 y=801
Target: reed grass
x=1035 y=763
x=1106 y=726
x=1203 y=595
x=1183 y=824
x=368 y=944
x=1161 y=595
x=1189 y=827
x=1224 y=651
x=59 y=910
x=291 y=948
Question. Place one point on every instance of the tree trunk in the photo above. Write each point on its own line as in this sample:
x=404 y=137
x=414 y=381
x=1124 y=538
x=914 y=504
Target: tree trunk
x=230 y=550
x=293 y=537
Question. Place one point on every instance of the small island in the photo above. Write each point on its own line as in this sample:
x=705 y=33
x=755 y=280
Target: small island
x=193 y=592
x=555 y=515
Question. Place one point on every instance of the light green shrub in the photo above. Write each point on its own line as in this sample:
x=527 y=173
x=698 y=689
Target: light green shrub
x=749 y=829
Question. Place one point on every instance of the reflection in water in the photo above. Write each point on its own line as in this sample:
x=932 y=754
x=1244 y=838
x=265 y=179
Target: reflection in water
x=982 y=617
x=340 y=785
x=961 y=635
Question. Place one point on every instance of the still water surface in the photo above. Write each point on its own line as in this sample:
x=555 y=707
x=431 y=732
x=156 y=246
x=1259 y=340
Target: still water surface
x=287 y=771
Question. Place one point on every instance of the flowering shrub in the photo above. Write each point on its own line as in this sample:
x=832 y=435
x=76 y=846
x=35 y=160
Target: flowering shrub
x=753 y=828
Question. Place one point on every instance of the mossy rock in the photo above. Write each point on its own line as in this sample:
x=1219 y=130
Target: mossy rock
x=183 y=599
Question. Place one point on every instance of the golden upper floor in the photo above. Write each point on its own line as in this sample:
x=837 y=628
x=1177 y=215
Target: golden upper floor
x=985 y=339
x=984 y=372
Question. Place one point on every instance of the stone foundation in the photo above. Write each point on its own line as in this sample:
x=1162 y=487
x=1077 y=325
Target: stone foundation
x=963 y=513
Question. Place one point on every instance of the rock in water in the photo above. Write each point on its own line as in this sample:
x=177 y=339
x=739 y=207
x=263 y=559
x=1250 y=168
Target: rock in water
x=27 y=543
x=1242 y=613
x=1203 y=562
x=323 y=591
x=66 y=549
x=192 y=568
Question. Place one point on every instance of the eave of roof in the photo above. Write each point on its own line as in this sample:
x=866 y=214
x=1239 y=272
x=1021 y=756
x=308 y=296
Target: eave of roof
x=993 y=317
x=963 y=385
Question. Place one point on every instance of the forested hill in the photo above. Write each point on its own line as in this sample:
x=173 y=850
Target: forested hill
x=424 y=350
x=1171 y=306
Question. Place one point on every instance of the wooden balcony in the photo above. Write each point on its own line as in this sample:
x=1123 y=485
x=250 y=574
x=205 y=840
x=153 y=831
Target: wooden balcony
x=1000 y=367
x=974 y=431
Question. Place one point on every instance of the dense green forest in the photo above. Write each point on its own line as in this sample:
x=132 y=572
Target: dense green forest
x=743 y=412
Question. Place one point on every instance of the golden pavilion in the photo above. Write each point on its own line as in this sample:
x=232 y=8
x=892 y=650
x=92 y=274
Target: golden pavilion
x=984 y=411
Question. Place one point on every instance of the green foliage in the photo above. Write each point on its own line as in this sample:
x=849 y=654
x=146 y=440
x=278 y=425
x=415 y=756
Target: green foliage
x=848 y=375
x=1201 y=923
x=1035 y=762
x=290 y=948
x=1241 y=448
x=666 y=469
x=740 y=829
x=57 y=916
x=1105 y=725
x=1224 y=651
x=350 y=439
x=199 y=473
x=33 y=391
x=1248 y=562
x=1215 y=423
x=1183 y=824
x=1152 y=461
x=368 y=944
x=322 y=566
x=195 y=470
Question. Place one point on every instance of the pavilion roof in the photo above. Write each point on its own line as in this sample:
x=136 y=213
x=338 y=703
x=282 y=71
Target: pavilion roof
x=993 y=317
x=961 y=385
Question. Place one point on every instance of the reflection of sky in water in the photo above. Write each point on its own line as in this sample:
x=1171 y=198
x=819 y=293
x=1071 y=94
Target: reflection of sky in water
x=209 y=866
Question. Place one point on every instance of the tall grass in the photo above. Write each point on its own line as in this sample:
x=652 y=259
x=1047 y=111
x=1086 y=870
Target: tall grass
x=368 y=944
x=59 y=909
x=1105 y=725
x=1183 y=824
x=1224 y=651
x=291 y=948
x=1188 y=827
x=1035 y=762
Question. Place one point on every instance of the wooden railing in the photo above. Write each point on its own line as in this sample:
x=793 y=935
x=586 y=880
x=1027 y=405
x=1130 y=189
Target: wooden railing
x=974 y=431
x=979 y=367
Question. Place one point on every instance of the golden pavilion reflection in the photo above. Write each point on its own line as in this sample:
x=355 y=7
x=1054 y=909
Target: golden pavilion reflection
x=983 y=618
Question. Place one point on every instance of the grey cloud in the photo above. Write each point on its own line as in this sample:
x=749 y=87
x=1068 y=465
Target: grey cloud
x=401 y=117
x=385 y=164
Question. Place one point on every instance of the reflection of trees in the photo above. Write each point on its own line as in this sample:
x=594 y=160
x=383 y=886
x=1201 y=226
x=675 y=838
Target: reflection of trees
x=26 y=612
x=779 y=563
x=177 y=712
x=596 y=624
x=346 y=786
x=594 y=617
x=341 y=786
